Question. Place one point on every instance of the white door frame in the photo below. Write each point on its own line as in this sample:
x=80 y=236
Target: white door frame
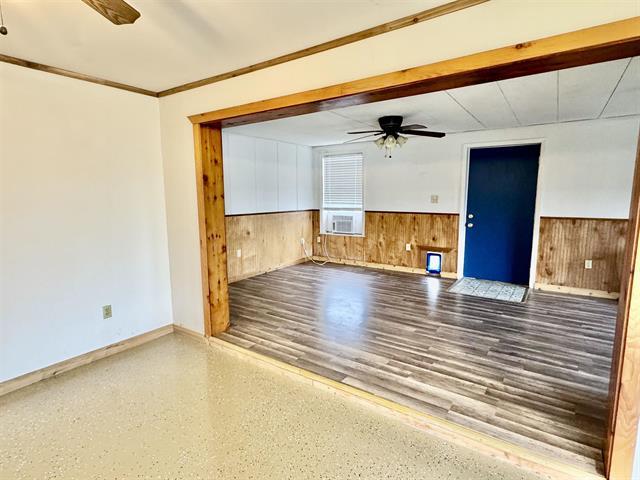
x=466 y=152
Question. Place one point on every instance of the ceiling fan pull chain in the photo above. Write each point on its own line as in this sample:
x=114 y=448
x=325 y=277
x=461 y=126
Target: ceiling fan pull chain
x=3 y=29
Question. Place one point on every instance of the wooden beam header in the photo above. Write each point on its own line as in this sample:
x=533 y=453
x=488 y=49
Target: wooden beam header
x=610 y=41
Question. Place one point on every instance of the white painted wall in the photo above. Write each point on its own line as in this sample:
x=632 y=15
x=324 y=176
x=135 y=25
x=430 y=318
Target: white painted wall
x=472 y=30
x=266 y=176
x=82 y=218
x=586 y=168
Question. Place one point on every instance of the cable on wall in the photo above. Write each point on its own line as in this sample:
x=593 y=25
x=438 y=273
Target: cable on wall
x=324 y=249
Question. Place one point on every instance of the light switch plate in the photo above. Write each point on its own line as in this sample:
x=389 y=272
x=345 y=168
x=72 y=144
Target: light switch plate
x=588 y=264
x=318 y=239
x=239 y=253
x=106 y=312
x=408 y=247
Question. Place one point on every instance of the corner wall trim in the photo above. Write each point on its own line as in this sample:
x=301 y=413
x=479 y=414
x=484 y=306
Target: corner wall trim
x=80 y=360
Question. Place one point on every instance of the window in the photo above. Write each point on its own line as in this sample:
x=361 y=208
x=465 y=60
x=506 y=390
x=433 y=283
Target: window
x=342 y=196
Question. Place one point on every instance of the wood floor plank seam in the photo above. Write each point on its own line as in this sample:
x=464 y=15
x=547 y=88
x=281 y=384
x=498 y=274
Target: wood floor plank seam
x=441 y=427
x=406 y=338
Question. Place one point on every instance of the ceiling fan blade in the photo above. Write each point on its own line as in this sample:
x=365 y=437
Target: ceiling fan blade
x=424 y=134
x=366 y=136
x=365 y=131
x=116 y=11
x=414 y=126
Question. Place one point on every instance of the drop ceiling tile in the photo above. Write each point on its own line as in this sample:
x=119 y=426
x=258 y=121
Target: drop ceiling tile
x=322 y=128
x=487 y=103
x=533 y=98
x=438 y=111
x=626 y=98
x=584 y=91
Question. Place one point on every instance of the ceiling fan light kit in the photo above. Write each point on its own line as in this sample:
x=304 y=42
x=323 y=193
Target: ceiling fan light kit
x=389 y=135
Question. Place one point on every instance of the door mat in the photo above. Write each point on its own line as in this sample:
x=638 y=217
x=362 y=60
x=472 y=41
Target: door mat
x=507 y=292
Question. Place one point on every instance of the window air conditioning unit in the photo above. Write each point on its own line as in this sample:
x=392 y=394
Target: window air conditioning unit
x=343 y=223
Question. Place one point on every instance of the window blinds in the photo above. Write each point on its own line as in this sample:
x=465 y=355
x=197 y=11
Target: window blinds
x=342 y=181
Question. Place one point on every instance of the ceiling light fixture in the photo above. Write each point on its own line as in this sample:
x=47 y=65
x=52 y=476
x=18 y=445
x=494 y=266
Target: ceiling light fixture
x=389 y=142
x=389 y=135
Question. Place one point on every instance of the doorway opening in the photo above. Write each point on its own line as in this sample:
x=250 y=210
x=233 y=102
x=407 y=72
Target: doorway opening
x=500 y=214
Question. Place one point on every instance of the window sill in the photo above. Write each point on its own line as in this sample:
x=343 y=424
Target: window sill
x=343 y=234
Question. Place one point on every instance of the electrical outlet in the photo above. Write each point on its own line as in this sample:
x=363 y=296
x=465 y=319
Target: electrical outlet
x=239 y=253
x=407 y=247
x=106 y=312
x=588 y=264
x=318 y=239
x=434 y=198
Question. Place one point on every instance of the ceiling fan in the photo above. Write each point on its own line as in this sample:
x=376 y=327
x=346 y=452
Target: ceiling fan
x=391 y=133
x=116 y=11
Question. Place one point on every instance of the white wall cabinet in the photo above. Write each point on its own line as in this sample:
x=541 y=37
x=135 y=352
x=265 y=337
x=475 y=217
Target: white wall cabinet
x=263 y=175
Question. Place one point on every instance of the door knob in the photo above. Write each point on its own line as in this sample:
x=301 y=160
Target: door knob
x=470 y=215
x=469 y=225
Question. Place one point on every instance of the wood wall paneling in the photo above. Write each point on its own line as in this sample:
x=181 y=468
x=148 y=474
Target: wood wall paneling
x=267 y=242
x=565 y=244
x=386 y=235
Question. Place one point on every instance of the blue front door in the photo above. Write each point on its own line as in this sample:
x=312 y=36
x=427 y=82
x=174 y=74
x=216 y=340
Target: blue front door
x=501 y=203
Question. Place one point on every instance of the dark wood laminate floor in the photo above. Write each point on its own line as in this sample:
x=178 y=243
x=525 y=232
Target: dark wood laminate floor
x=535 y=374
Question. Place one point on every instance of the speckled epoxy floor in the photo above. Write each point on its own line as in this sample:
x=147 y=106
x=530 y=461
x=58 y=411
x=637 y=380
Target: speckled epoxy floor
x=177 y=409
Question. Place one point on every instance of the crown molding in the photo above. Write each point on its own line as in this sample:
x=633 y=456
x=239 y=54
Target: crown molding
x=338 y=42
x=403 y=22
x=78 y=76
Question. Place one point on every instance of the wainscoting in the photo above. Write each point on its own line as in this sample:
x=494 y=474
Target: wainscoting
x=267 y=241
x=565 y=244
x=387 y=233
